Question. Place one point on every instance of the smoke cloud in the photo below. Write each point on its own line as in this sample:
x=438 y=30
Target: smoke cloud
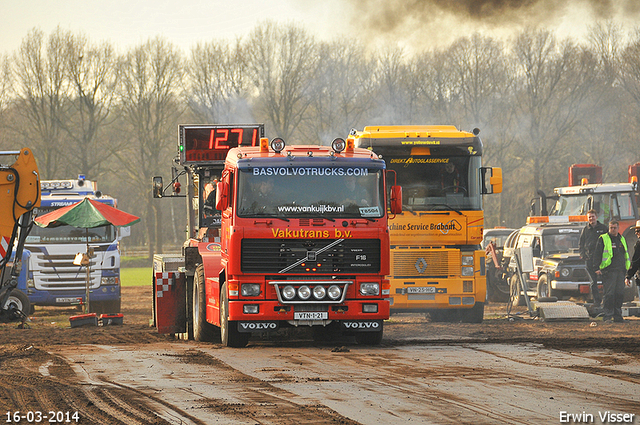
x=429 y=23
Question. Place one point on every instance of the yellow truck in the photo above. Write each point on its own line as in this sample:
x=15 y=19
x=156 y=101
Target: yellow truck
x=437 y=263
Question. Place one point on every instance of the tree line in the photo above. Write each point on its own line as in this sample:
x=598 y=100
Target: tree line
x=542 y=103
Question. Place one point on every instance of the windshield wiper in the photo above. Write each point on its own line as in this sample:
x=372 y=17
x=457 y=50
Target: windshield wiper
x=257 y=215
x=446 y=206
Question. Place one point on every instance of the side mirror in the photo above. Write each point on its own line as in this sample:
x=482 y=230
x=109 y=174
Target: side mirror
x=396 y=199
x=222 y=196
x=495 y=180
x=157 y=187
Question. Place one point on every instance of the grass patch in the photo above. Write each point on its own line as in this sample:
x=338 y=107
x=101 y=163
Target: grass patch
x=127 y=261
x=136 y=276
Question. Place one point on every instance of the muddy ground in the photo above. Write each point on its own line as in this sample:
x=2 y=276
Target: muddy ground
x=37 y=375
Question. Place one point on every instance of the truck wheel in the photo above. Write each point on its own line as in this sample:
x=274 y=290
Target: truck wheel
x=202 y=330
x=370 y=338
x=18 y=300
x=189 y=307
x=544 y=288
x=441 y=315
x=517 y=297
x=229 y=329
x=473 y=315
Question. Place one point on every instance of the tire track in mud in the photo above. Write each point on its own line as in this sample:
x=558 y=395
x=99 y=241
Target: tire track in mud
x=456 y=390
x=33 y=380
x=262 y=402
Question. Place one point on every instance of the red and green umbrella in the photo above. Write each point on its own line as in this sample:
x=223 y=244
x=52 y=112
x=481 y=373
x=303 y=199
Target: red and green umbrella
x=87 y=213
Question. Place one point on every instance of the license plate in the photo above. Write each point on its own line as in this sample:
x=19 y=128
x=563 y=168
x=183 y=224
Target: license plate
x=422 y=290
x=311 y=315
x=67 y=300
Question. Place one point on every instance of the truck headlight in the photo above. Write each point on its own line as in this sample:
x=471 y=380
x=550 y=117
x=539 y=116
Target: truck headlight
x=369 y=288
x=467 y=271
x=319 y=292
x=565 y=272
x=288 y=292
x=334 y=292
x=250 y=289
x=467 y=260
x=108 y=281
x=304 y=292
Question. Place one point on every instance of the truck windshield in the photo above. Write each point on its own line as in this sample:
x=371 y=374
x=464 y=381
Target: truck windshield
x=437 y=182
x=70 y=234
x=607 y=205
x=330 y=192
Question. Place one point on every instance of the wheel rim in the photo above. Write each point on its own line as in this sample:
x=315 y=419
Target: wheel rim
x=544 y=289
x=14 y=302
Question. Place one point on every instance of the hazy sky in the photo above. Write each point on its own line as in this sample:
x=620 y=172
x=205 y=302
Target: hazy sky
x=414 y=24
x=185 y=22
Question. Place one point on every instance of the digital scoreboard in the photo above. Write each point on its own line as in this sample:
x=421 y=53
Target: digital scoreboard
x=210 y=143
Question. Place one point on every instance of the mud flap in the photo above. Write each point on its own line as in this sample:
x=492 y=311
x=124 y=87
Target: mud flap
x=169 y=292
x=361 y=325
x=244 y=326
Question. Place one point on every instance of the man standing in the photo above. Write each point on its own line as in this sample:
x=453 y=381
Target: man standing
x=635 y=261
x=613 y=257
x=588 y=238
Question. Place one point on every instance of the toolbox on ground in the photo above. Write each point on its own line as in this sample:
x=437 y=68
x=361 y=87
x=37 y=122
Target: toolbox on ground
x=90 y=319
x=111 y=319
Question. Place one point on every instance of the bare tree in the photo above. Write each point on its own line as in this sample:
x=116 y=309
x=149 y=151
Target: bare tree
x=343 y=91
x=42 y=89
x=218 y=84
x=552 y=83
x=5 y=83
x=93 y=74
x=150 y=80
x=436 y=88
x=284 y=63
x=606 y=108
x=630 y=80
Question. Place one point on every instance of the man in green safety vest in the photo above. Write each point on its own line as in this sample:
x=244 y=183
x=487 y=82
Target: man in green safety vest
x=613 y=257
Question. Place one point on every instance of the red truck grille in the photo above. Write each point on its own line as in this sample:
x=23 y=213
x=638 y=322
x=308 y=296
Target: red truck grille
x=312 y=256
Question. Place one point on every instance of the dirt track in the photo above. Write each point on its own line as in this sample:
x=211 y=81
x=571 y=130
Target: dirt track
x=497 y=372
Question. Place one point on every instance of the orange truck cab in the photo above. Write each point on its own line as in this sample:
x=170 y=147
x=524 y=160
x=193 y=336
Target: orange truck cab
x=299 y=238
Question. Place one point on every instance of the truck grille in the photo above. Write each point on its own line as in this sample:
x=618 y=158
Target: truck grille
x=425 y=263
x=57 y=272
x=305 y=257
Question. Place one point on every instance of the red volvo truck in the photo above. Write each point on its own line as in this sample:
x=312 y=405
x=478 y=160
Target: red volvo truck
x=279 y=236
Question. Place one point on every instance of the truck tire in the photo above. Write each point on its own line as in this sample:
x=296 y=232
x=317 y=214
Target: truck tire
x=370 y=338
x=474 y=314
x=18 y=300
x=189 y=307
x=202 y=330
x=517 y=297
x=544 y=289
x=229 y=329
x=441 y=315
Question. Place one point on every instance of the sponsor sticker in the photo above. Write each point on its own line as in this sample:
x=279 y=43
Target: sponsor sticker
x=369 y=211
